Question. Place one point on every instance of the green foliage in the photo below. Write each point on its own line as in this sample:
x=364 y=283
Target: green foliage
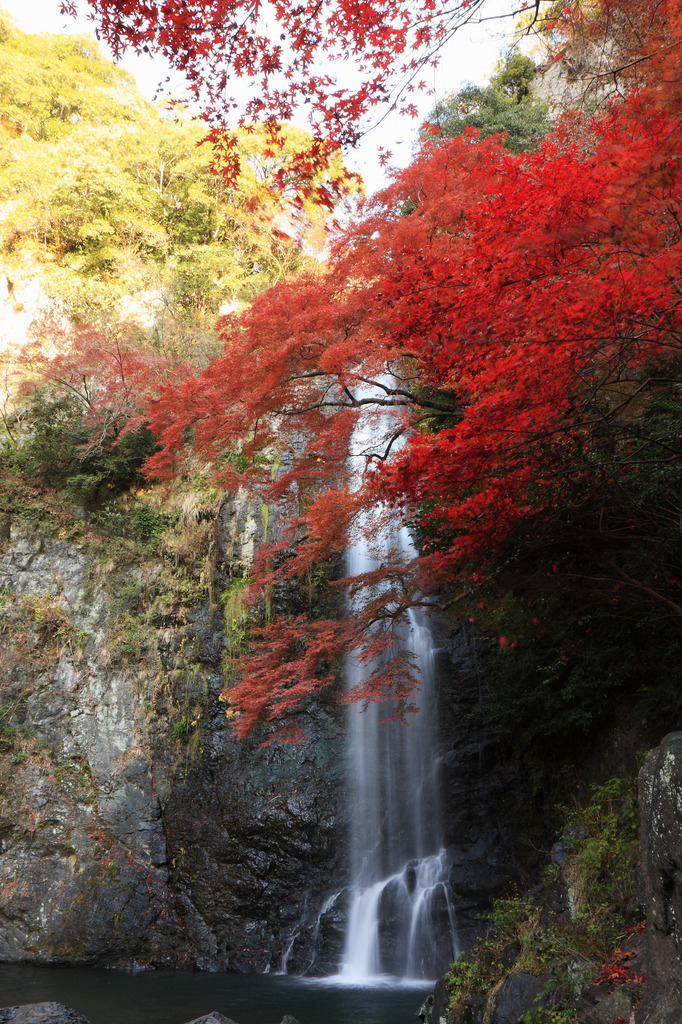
x=548 y=1015
x=605 y=845
x=467 y=976
x=10 y=733
x=491 y=111
x=237 y=460
x=110 y=517
x=49 y=83
x=122 y=201
x=51 y=453
x=131 y=639
x=50 y=620
x=317 y=589
x=148 y=524
x=64 y=452
x=182 y=729
x=514 y=74
x=132 y=520
x=236 y=620
x=504 y=105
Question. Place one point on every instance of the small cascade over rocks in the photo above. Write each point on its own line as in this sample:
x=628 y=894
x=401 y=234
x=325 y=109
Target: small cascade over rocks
x=401 y=919
x=402 y=925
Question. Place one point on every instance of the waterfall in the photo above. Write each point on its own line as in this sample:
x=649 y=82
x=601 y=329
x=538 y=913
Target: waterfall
x=401 y=920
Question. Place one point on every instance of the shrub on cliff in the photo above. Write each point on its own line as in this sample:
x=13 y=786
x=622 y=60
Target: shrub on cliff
x=65 y=451
x=567 y=931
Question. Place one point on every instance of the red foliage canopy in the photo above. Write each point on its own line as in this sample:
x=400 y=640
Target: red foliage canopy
x=101 y=368
x=288 y=51
x=507 y=309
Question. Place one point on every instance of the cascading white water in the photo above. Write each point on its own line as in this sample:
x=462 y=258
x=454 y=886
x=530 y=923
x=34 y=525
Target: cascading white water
x=401 y=920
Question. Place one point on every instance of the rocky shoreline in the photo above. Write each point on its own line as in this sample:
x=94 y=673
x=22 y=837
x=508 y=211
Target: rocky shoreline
x=57 y=1013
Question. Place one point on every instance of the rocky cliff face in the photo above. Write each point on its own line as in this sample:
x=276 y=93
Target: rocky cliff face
x=488 y=807
x=640 y=981
x=660 y=793
x=133 y=828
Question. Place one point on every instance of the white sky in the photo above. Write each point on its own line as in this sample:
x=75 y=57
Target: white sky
x=469 y=57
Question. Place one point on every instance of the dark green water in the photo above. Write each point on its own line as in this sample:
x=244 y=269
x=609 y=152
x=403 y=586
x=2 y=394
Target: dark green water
x=174 y=997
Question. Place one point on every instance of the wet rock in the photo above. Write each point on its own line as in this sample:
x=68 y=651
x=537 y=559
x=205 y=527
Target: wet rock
x=425 y=1011
x=242 y=526
x=40 y=1013
x=551 y=899
x=486 y=803
x=288 y=1019
x=517 y=994
x=616 y=1005
x=114 y=842
x=607 y=1002
x=212 y=1018
x=570 y=839
x=393 y=910
x=441 y=1001
x=660 y=797
x=271 y=840
x=664 y=1006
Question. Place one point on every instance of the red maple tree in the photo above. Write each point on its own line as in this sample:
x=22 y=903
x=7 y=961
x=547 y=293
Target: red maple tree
x=511 y=312
x=288 y=52
x=103 y=369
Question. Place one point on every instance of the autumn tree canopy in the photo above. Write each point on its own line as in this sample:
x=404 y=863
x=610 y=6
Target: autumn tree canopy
x=340 y=65
x=132 y=246
x=288 y=54
x=512 y=321
x=518 y=315
x=288 y=51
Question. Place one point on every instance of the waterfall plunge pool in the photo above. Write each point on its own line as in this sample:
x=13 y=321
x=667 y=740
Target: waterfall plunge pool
x=174 y=997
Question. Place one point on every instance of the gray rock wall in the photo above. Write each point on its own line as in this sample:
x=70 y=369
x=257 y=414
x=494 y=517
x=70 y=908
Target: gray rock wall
x=122 y=839
x=660 y=796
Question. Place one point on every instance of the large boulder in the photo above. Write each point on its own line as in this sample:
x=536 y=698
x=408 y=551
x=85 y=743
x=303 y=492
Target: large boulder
x=41 y=1013
x=517 y=995
x=660 y=798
